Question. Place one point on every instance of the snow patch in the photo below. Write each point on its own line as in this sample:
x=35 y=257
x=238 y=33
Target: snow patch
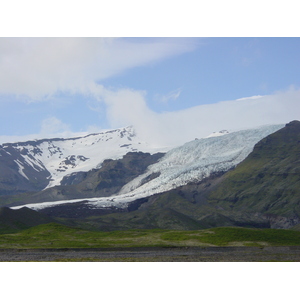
x=21 y=168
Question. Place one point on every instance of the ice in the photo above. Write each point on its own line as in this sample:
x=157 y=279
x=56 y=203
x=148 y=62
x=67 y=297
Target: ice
x=190 y=162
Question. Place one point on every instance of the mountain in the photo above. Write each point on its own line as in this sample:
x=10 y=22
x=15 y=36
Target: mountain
x=101 y=182
x=262 y=191
x=268 y=180
x=248 y=178
x=191 y=162
x=36 y=165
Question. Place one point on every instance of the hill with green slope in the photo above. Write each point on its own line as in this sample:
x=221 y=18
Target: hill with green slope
x=59 y=236
x=267 y=182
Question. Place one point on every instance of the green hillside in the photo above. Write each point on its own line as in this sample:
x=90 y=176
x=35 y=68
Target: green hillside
x=59 y=236
x=268 y=180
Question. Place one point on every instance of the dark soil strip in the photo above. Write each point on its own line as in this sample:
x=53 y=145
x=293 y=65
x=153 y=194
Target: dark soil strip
x=189 y=254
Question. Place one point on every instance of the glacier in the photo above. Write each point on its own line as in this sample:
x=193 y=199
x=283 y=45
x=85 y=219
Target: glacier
x=191 y=162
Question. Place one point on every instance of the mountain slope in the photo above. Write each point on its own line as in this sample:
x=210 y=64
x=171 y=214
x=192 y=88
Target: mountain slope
x=262 y=191
x=189 y=163
x=18 y=174
x=40 y=164
x=103 y=182
x=268 y=181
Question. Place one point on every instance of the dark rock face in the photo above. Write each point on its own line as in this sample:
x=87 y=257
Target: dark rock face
x=74 y=178
x=17 y=175
x=113 y=172
x=103 y=182
x=23 y=165
x=82 y=209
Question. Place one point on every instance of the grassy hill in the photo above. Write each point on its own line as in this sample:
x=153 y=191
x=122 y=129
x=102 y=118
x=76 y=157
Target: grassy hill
x=268 y=180
x=54 y=235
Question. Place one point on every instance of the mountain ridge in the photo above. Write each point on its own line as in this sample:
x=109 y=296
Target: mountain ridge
x=35 y=165
x=190 y=162
x=201 y=201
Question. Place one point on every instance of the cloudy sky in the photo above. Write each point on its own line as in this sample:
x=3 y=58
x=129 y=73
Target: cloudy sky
x=171 y=89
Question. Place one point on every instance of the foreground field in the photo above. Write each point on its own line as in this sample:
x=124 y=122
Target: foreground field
x=59 y=236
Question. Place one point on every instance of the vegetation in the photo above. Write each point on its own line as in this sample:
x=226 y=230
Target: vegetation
x=55 y=235
x=268 y=180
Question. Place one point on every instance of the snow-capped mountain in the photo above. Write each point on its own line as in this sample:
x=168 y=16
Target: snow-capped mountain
x=188 y=163
x=48 y=161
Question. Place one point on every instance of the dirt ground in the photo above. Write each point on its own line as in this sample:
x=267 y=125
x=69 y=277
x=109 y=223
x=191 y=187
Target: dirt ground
x=186 y=254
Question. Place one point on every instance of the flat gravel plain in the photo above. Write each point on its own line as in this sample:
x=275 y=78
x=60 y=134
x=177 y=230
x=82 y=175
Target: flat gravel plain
x=184 y=254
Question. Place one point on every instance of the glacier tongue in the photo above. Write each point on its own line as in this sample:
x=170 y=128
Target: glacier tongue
x=198 y=159
x=190 y=162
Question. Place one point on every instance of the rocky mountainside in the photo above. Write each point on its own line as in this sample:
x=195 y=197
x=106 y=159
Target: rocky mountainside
x=248 y=178
x=36 y=165
x=191 y=162
x=17 y=174
x=262 y=191
x=101 y=182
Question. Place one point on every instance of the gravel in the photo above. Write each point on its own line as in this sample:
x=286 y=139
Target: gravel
x=185 y=254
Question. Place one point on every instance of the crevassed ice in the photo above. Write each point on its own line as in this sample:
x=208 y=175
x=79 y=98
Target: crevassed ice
x=198 y=159
x=190 y=162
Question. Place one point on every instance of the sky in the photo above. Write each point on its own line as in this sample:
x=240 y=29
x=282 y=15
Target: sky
x=171 y=90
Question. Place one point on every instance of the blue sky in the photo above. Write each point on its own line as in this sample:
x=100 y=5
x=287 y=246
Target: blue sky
x=71 y=86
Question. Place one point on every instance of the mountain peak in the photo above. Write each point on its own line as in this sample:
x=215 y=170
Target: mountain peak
x=34 y=165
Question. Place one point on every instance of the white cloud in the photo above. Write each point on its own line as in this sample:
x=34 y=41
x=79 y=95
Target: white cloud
x=173 y=95
x=249 y=98
x=52 y=126
x=39 y=67
x=128 y=107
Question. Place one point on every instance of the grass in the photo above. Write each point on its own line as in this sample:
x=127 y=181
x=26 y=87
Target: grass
x=226 y=236
x=59 y=236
